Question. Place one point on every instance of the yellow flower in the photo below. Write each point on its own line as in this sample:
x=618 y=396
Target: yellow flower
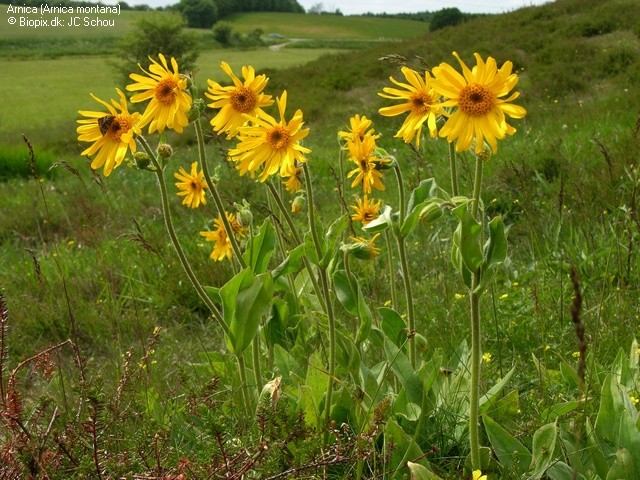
x=358 y=127
x=221 y=244
x=362 y=153
x=112 y=133
x=419 y=99
x=271 y=145
x=294 y=182
x=170 y=103
x=237 y=100
x=477 y=475
x=362 y=248
x=486 y=357
x=477 y=94
x=191 y=186
x=366 y=210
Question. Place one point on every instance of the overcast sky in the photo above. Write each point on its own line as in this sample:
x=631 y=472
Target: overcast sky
x=354 y=7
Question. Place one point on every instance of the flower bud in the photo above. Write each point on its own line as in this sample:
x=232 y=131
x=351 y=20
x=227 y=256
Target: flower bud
x=244 y=216
x=141 y=160
x=298 y=204
x=165 y=150
x=197 y=109
x=431 y=212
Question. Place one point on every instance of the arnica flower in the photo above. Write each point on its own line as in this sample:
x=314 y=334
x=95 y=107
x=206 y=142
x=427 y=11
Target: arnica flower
x=362 y=153
x=270 y=144
x=170 y=102
x=419 y=99
x=293 y=183
x=191 y=186
x=221 y=244
x=366 y=210
x=358 y=127
x=112 y=133
x=477 y=475
x=237 y=100
x=362 y=248
x=478 y=95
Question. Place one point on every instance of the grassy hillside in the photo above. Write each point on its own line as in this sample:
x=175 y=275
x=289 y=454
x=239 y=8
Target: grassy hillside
x=88 y=258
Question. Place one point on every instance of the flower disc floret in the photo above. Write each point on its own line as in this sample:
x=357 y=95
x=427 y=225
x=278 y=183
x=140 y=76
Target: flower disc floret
x=362 y=153
x=166 y=90
x=112 y=133
x=477 y=99
x=237 y=100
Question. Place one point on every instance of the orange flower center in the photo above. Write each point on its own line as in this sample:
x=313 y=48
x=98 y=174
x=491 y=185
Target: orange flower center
x=420 y=103
x=278 y=137
x=243 y=100
x=118 y=125
x=476 y=100
x=364 y=164
x=165 y=91
x=368 y=216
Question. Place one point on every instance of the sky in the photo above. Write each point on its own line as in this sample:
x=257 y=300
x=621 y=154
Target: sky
x=354 y=7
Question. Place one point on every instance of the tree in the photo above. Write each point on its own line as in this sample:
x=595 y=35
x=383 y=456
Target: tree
x=446 y=17
x=157 y=33
x=199 y=13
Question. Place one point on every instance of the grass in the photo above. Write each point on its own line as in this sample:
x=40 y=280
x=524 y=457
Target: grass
x=566 y=185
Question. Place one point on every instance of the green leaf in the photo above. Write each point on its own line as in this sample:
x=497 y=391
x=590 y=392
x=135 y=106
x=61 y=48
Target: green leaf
x=245 y=299
x=467 y=239
x=313 y=390
x=290 y=264
x=513 y=456
x=544 y=443
x=491 y=397
x=562 y=471
x=420 y=197
x=402 y=368
x=420 y=472
x=495 y=253
x=559 y=409
x=381 y=223
x=261 y=247
x=393 y=326
x=623 y=467
x=398 y=442
x=344 y=288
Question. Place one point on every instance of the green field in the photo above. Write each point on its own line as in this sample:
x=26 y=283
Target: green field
x=141 y=381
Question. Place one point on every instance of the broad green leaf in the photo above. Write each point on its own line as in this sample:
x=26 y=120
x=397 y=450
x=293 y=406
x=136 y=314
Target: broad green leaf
x=420 y=472
x=467 y=239
x=402 y=368
x=347 y=354
x=397 y=442
x=544 y=443
x=345 y=291
x=623 y=467
x=491 y=397
x=365 y=318
x=290 y=264
x=393 y=326
x=410 y=411
x=512 y=454
x=332 y=236
x=562 y=471
x=495 y=252
x=458 y=263
x=595 y=452
x=313 y=390
x=420 y=196
x=245 y=299
x=261 y=247
x=381 y=223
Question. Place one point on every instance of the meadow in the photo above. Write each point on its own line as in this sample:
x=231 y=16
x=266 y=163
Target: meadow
x=113 y=366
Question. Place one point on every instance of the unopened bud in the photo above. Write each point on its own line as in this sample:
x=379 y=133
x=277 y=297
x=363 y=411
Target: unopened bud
x=298 y=204
x=141 y=160
x=431 y=212
x=197 y=109
x=244 y=216
x=165 y=150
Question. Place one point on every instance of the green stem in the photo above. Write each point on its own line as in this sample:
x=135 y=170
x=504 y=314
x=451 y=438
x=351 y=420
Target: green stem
x=174 y=238
x=324 y=281
x=216 y=196
x=474 y=298
x=454 y=169
x=392 y=276
x=411 y=325
x=242 y=370
x=294 y=232
x=257 y=371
